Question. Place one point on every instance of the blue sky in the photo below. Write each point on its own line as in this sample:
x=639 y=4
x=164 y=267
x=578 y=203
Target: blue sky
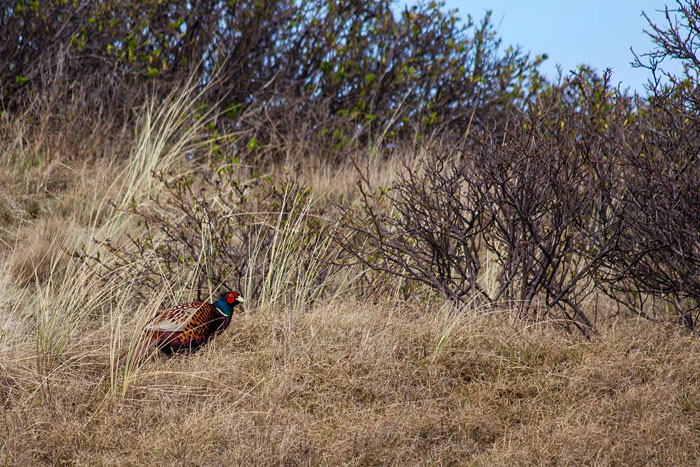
x=598 y=33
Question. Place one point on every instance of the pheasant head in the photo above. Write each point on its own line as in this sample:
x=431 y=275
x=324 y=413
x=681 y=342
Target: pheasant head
x=226 y=302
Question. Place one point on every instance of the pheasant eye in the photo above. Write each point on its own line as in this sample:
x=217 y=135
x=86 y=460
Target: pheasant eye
x=230 y=298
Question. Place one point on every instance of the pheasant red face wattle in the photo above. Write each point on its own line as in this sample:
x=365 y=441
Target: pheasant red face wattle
x=231 y=298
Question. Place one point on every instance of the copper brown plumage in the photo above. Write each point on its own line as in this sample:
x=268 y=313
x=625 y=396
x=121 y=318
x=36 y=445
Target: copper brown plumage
x=185 y=327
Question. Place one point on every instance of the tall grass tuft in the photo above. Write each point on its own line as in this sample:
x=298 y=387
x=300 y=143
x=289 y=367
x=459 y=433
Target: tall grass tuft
x=61 y=301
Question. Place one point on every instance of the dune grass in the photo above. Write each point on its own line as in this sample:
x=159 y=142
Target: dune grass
x=312 y=376
x=346 y=382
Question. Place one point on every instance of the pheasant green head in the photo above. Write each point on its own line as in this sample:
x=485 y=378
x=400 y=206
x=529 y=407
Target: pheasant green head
x=226 y=302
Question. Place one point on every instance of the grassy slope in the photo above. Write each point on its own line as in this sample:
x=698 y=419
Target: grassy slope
x=336 y=382
x=345 y=382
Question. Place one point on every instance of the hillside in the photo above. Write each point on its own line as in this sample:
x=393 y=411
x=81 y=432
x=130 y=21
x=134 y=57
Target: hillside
x=445 y=256
x=344 y=378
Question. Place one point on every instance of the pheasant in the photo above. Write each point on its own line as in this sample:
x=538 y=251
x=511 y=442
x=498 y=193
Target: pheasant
x=185 y=327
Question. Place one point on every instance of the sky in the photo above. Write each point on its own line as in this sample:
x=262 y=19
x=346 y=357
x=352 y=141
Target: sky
x=598 y=33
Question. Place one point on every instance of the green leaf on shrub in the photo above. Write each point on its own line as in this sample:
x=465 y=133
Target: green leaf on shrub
x=232 y=110
x=21 y=80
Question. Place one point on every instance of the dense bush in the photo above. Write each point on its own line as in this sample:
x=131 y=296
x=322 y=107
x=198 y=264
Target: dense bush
x=339 y=72
x=536 y=205
x=658 y=255
x=583 y=191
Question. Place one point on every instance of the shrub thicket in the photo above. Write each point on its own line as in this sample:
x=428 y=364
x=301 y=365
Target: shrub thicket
x=212 y=230
x=524 y=219
x=338 y=73
x=583 y=190
x=658 y=255
x=537 y=194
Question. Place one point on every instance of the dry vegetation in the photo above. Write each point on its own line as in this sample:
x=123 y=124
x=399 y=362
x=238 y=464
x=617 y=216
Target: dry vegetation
x=506 y=273
x=390 y=379
x=347 y=383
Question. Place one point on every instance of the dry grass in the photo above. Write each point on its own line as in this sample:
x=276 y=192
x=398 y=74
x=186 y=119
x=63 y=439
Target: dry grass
x=340 y=381
x=351 y=383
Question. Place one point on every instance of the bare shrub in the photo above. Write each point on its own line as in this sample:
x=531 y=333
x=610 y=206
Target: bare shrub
x=537 y=201
x=427 y=228
x=657 y=257
x=210 y=229
x=675 y=38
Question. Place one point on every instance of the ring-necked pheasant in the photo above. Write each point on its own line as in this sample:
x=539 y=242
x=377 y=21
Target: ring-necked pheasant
x=185 y=327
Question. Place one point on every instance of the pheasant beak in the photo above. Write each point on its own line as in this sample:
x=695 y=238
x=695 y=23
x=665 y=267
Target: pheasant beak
x=239 y=300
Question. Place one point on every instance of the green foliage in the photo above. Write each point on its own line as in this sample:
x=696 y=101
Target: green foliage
x=360 y=68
